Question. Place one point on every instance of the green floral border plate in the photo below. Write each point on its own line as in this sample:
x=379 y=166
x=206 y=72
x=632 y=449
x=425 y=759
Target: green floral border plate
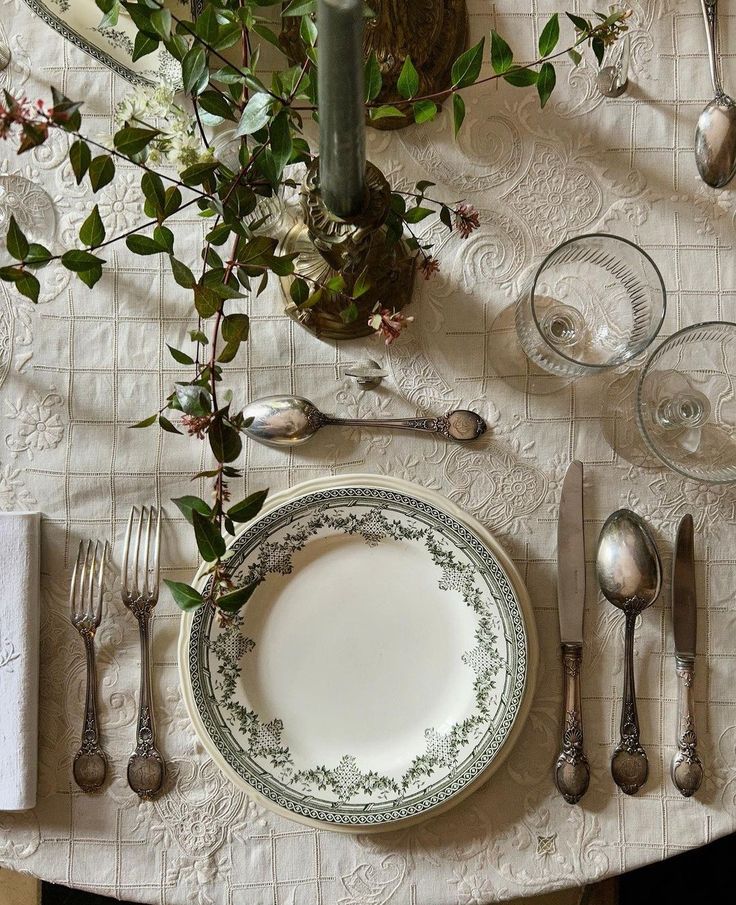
x=381 y=669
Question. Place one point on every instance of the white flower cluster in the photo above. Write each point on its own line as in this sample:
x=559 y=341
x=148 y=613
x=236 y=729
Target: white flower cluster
x=179 y=143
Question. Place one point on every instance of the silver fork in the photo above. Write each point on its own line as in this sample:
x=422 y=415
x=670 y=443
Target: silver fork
x=140 y=581
x=85 y=603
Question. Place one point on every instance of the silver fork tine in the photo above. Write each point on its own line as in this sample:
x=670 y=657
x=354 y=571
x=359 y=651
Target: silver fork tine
x=73 y=586
x=147 y=543
x=137 y=552
x=156 y=552
x=100 y=584
x=81 y=590
x=126 y=549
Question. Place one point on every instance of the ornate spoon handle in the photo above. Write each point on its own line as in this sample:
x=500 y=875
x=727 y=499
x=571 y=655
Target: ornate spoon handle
x=460 y=424
x=146 y=767
x=572 y=771
x=629 y=765
x=710 y=14
x=90 y=763
x=687 y=768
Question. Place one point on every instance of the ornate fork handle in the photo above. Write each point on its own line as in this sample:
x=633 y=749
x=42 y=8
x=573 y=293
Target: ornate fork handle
x=90 y=763
x=687 y=768
x=146 y=767
x=572 y=771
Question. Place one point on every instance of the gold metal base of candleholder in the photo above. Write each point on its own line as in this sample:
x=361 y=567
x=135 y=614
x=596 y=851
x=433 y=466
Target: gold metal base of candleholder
x=432 y=32
x=328 y=246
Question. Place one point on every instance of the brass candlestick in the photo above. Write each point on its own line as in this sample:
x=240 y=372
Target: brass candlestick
x=432 y=32
x=329 y=245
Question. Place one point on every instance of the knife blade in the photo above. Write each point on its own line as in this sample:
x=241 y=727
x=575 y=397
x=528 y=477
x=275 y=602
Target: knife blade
x=572 y=772
x=571 y=557
x=687 y=768
x=684 y=603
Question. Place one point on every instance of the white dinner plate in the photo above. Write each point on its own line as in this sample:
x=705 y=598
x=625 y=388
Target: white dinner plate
x=382 y=667
x=79 y=22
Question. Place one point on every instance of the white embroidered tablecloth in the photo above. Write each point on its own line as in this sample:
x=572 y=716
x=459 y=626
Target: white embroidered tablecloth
x=82 y=366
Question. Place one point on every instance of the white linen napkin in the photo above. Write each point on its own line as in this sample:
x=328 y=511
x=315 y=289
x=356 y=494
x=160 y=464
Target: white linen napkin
x=19 y=658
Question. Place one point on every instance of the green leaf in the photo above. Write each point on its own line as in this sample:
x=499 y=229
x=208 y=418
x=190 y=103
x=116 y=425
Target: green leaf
x=197 y=173
x=575 y=56
x=28 y=286
x=79 y=157
x=520 y=77
x=164 y=237
x=180 y=356
x=153 y=189
x=417 y=214
x=501 y=54
x=308 y=31
x=147 y=422
x=599 y=49
x=194 y=70
x=92 y=231
x=225 y=441
x=132 y=140
x=182 y=274
x=578 y=21
x=101 y=171
x=166 y=425
x=216 y=105
x=424 y=111
x=16 y=241
x=193 y=399
x=385 y=111
x=546 y=82
x=350 y=313
x=91 y=276
x=336 y=283
x=79 y=261
x=11 y=274
x=300 y=8
x=143 y=45
x=172 y=201
x=256 y=114
x=185 y=596
x=161 y=22
x=458 y=112
x=362 y=284
x=466 y=68
x=235 y=328
x=236 y=600
x=280 y=140
x=248 y=508
x=206 y=25
x=206 y=301
x=550 y=36
x=408 y=81
x=143 y=245
x=299 y=291
x=197 y=336
x=373 y=77
x=38 y=255
x=189 y=504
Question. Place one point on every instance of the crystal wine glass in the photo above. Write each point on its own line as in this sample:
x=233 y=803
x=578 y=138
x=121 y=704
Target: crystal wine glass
x=686 y=402
x=596 y=302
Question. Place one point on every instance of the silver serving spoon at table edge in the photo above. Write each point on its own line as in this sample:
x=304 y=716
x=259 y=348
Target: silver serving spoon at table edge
x=291 y=420
x=715 y=134
x=630 y=577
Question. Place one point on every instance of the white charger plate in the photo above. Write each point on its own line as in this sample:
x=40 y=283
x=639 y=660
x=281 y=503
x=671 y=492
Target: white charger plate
x=78 y=21
x=381 y=670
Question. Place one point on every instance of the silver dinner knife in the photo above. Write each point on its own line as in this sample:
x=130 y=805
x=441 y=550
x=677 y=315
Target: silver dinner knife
x=687 y=768
x=572 y=772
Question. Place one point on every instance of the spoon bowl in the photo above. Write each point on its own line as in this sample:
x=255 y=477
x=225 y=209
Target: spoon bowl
x=630 y=576
x=715 y=142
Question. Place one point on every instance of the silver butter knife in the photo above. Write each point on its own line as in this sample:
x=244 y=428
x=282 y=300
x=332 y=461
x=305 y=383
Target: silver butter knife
x=572 y=772
x=687 y=768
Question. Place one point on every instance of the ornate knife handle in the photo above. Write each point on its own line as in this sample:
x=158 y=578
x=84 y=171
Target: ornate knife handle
x=687 y=768
x=572 y=771
x=90 y=763
x=146 y=767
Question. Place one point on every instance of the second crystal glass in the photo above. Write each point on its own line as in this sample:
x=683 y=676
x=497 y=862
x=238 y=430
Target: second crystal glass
x=596 y=302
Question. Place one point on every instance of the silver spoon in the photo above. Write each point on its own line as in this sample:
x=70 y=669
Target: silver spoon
x=630 y=576
x=715 y=135
x=291 y=420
